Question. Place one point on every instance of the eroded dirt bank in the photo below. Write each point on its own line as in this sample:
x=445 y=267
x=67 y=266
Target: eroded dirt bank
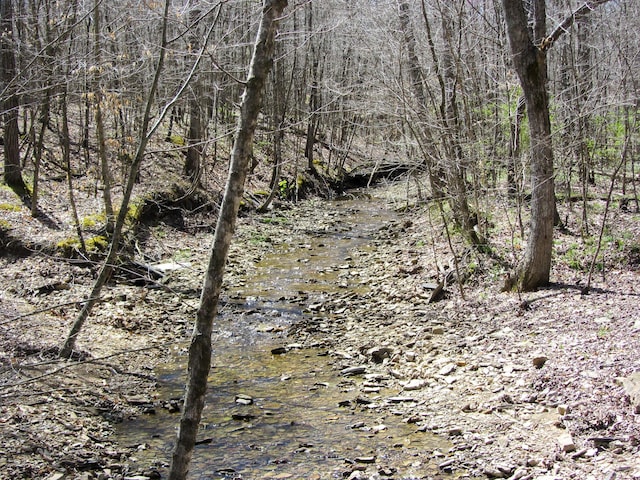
x=522 y=387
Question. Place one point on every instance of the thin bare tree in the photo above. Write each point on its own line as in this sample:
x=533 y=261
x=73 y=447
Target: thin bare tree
x=200 y=349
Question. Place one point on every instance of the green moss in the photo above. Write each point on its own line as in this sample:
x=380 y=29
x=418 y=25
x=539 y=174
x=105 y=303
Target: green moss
x=258 y=239
x=92 y=220
x=134 y=212
x=4 y=225
x=10 y=207
x=99 y=243
x=178 y=140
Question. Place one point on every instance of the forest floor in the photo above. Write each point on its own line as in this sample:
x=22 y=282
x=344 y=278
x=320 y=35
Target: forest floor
x=532 y=386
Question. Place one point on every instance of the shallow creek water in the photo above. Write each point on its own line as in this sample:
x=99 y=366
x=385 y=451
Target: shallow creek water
x=291 y=415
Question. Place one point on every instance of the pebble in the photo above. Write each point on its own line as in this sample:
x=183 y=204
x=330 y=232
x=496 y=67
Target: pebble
x=400 y=399
x=415 y=384
x=379 y=354
x=539 y=361
x=447 y=369
x=566 y=442
x=367 y=459
x=358 y=475
x=356 y=370
x=243 y=399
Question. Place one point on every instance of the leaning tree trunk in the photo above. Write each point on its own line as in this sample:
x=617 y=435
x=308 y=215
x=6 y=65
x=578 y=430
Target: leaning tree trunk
x=531 y=66
x=200 y=348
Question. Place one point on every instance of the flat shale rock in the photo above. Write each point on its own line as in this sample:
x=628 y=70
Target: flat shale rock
x=631 y=386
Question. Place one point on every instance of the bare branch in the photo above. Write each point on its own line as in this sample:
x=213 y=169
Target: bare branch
x=568 y=22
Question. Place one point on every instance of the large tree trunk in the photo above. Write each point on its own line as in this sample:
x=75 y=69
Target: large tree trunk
x=200 y=348
x=12 y=170
x=531 y=66
x=528 y=49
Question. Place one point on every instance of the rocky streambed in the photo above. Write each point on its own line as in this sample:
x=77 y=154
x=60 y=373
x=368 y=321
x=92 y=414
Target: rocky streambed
x=357 y=375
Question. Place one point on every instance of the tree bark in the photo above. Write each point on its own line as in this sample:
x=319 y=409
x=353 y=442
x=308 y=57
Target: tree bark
x=10 y=105
x=531 y=66
x=200 y=348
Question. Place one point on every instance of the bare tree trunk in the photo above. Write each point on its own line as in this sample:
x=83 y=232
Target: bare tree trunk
x=10 y=105
x=102 y=145
x=194 y=149
x=529 y=58
x=436 y=172
x=65 y=144
x=200 y=349
x=531 y=66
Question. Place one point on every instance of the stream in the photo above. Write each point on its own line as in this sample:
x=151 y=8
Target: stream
x=277 y=410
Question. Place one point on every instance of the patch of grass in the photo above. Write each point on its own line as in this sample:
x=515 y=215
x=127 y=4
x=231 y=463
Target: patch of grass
x=259 y=238
x=182 y=255
x=603 y=331
x=275 y=220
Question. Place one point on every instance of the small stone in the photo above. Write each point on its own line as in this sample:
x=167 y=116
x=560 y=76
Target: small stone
x=139 y=400
x=437 y=330
x=400 y=399
x=243 y=399
x=455 y=432
x=279 y=351
x=410 y=356
x=368 y=459
x=563 y=409
x=415 y=384
x=387 y=471
x=539 y=361
x=591 y=452
x=518 y=474
x=356 y=370
x=493 y=472
x=566 y=442
x=447 y=369
x=358 y=475
x=579 y=453
x=378 y=354
x=55 y=476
